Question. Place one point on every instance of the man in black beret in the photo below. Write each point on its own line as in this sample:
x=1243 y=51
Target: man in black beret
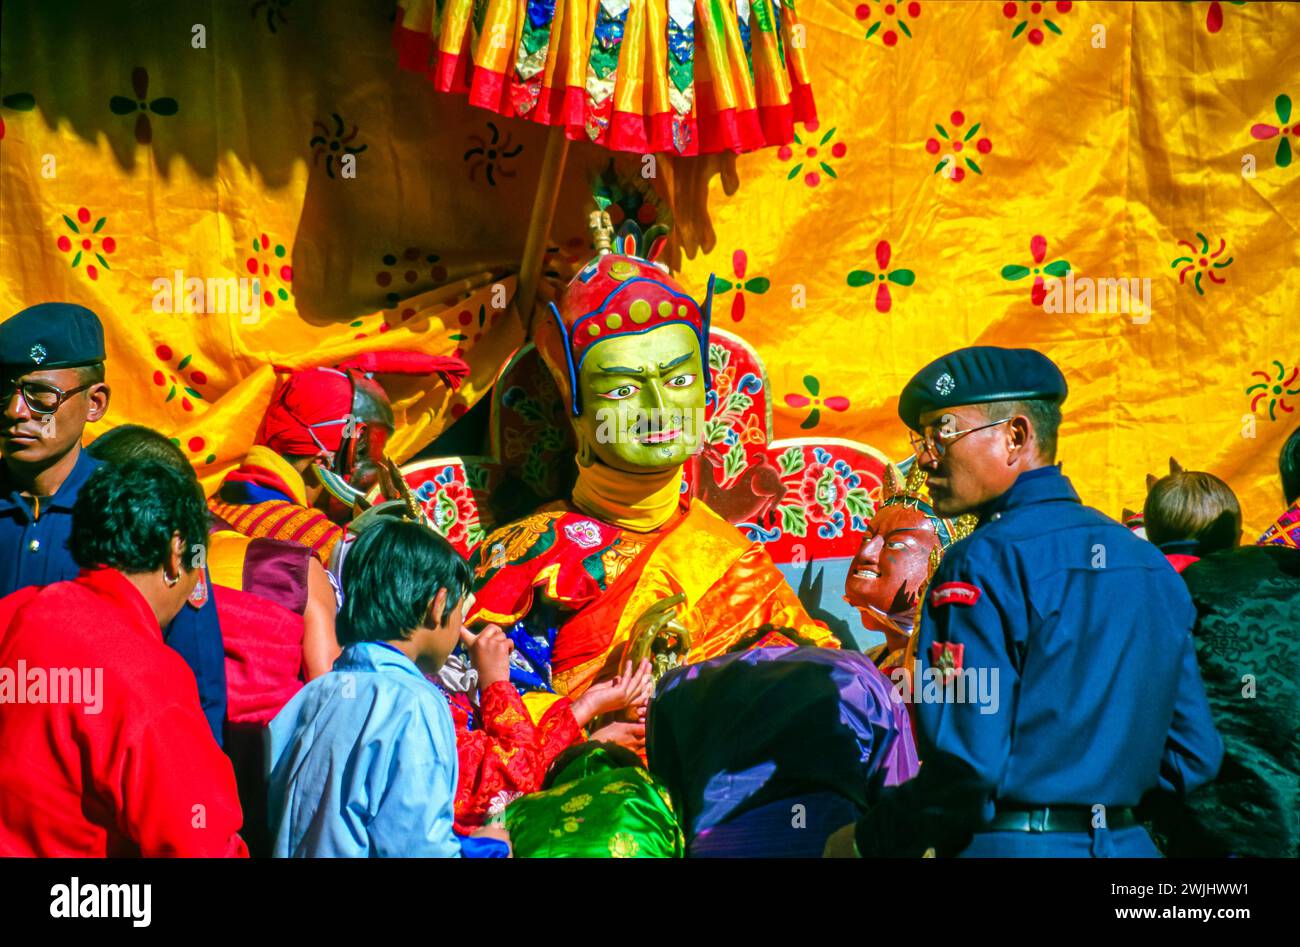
x=52 y=370
x=1055 y=681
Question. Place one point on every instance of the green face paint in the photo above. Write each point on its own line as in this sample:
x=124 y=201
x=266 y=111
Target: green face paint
x=643 y=399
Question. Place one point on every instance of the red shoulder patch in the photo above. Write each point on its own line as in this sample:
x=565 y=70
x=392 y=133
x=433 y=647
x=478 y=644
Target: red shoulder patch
x=955 y=593
x=946 y=657
x=199 y=597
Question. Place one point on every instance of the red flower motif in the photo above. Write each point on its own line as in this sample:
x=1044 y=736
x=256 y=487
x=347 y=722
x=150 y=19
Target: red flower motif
x=807 y=154
x=85 y=241
x=1263 y=132
x=1057 y=269
x=1035 y=36
x=888 y=8
x=816 y=402
x=452 y=510
x=822 y=491
x=757 y=285
x=949 y=163
x=883 y=277
x=262 y=269
x=179 y=386
x=408 y=269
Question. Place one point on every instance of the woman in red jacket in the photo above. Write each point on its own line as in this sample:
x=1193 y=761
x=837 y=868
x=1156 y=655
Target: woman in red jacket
x=106 y=751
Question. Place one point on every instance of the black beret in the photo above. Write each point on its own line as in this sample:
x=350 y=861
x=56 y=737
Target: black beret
x=51 y=335
x=978 y=375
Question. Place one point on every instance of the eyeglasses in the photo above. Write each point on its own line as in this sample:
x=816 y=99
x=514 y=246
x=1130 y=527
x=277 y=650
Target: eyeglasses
x=41 y=398
x=938 y=442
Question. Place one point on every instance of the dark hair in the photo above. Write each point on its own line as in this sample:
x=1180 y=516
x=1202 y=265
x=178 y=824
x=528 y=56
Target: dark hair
x=391 y=573
x=125 y=517
x=1044 y=416
x=1192 y=505
x=130 y=442
x=91 y=374
x=1288 y=464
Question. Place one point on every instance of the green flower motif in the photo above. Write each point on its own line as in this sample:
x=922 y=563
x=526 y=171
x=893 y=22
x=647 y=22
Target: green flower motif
x=757 y=285
x=1263 y=132
x=1057 y=269
x=882 y=277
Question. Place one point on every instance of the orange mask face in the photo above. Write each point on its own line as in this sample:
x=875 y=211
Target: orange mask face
x=893 y=562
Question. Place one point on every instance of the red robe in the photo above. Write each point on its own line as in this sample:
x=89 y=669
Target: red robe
x=125 y=764
x=506 y=755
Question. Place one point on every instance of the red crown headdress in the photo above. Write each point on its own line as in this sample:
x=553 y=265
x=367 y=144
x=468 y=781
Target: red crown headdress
x=624 y=291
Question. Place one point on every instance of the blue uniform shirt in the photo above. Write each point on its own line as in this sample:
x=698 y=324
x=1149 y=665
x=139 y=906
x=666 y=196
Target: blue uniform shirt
x=195 y=634
x=35 y=552
x=1073 y=641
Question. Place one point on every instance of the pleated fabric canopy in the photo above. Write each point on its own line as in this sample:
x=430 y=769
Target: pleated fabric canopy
x=687 y=77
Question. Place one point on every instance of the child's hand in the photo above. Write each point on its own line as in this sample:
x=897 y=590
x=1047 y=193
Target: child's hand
x=628 y=735
x=630 y=689
x=489 y=653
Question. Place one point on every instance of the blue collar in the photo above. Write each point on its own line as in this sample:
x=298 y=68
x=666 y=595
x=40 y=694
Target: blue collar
x=375 y=656
x=1041 y=485
x=1180 y=547
x=64 y=498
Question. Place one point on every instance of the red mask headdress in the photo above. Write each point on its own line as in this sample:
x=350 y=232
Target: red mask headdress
x=622 y=292
x=312 y=408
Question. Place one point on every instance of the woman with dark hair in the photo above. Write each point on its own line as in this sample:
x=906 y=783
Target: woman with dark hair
x=107 y=753
x=195 y=633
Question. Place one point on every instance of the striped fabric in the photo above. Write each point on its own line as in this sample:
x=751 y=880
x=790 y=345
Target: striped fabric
x=280 y=519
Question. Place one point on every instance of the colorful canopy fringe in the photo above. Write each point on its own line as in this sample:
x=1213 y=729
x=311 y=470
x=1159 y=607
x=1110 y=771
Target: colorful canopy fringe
x=686 y=76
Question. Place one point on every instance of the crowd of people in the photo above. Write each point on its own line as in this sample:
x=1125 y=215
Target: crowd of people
x=288 y=669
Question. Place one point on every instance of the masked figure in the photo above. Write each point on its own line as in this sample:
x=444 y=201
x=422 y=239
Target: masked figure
x=319 y=450
x=629 y=565
x=900 y=550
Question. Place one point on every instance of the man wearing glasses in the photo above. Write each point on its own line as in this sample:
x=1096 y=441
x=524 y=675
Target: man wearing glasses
x=52 y=370
x=1056 y=681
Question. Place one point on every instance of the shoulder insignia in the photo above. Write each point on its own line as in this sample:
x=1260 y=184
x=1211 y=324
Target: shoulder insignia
x=954 y=593
x=946 y=657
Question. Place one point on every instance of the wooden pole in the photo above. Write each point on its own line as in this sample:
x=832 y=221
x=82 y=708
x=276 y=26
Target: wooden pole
x=539 y=223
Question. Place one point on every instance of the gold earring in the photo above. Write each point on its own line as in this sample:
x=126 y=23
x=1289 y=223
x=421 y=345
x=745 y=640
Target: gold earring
x=170 y=580
x=585 y=456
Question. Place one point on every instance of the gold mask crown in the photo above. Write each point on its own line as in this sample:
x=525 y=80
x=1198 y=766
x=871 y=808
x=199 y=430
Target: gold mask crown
x=910 y=491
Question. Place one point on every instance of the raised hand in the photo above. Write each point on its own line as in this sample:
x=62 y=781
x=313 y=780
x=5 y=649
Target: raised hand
x=632 y=688
x=489 y=653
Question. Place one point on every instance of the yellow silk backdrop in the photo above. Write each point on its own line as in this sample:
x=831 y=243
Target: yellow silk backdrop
x=1123 y=143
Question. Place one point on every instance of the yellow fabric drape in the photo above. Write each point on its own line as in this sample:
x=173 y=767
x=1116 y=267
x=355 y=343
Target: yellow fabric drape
x=639 y=502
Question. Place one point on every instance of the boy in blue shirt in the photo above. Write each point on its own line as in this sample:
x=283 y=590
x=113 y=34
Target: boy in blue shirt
x=363 y=759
